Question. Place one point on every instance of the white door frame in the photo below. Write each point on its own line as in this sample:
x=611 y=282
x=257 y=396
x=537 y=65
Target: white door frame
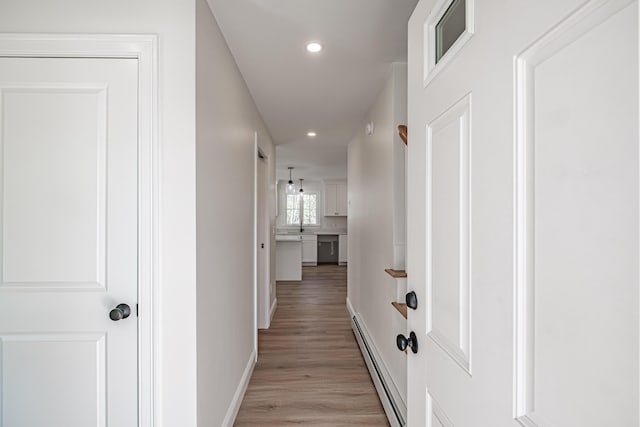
x=262 y=306
x=144 y=49
x=263 y=281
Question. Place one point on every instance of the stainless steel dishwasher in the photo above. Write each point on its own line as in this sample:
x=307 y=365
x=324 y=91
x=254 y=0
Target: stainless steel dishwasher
x=327 y=249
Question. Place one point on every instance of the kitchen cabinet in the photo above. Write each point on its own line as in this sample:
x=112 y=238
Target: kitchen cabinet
x=309 y=249
x=342 y=249
x=335 y=199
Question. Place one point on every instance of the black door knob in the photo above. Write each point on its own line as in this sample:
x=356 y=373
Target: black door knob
x=122 y=311
x=403 y=342
x=412 y=300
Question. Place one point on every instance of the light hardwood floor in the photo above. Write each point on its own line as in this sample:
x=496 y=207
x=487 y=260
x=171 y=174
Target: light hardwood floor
x=310 y=371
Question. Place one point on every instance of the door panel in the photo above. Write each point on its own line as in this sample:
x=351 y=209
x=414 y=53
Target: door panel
x=68 y=138
x=448 y=251
x=48 y=371
x=437 y=417
x=43 y=183
x=531 y=314
x=581 y=286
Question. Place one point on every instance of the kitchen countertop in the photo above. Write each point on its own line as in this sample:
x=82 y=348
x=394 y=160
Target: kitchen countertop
x=288 y=237
x=312 y=232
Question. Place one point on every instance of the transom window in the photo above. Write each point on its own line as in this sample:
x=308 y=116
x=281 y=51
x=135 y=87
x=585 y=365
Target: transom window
x=450 y=27
x=303 y=205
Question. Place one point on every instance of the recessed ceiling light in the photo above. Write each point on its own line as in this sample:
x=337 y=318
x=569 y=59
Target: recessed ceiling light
x=311 y=133
x=314 y=47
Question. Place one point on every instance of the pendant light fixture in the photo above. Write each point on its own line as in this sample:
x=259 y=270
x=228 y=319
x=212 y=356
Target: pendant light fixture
x=290 y=186
x=301 y=190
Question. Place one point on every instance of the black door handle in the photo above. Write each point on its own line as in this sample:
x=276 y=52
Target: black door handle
x=403 y=342
x=412 y=300
x=122 y=311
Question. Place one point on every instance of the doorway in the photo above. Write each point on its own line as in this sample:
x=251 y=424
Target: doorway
x=263 y=242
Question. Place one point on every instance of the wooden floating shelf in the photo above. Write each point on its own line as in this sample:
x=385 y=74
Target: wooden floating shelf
x=402 y=131
x=401 y=307
x=396 y=274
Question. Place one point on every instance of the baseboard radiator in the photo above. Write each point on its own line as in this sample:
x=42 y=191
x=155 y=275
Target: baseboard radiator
x=391 y=401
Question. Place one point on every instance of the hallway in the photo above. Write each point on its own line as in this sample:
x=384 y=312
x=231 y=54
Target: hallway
x=310 y=370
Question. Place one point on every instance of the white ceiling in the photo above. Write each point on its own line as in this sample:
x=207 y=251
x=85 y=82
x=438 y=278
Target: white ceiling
x=329 y=92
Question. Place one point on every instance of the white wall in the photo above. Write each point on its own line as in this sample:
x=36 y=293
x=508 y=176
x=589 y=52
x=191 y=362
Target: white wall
x=399 y=167
x=174 y=23
x=226 y=118
x=376 y=221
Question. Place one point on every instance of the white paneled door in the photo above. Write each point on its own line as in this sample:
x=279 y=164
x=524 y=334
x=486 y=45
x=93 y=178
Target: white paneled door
x=69 y=242
x=523 y=217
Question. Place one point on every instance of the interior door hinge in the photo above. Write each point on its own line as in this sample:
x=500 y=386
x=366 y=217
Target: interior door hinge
x=137 y=310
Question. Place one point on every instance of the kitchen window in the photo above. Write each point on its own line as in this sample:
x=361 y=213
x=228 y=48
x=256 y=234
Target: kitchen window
x=305 y=203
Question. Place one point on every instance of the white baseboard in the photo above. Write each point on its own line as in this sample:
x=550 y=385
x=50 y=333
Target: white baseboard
x=352 y=311
x=394 y=407
x=234 y=407
x=272 y=311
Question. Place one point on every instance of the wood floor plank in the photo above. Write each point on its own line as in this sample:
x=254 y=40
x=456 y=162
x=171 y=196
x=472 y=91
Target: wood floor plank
x=310 y=371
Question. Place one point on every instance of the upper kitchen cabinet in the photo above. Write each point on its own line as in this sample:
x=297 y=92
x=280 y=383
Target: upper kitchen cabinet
x=335 y=199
